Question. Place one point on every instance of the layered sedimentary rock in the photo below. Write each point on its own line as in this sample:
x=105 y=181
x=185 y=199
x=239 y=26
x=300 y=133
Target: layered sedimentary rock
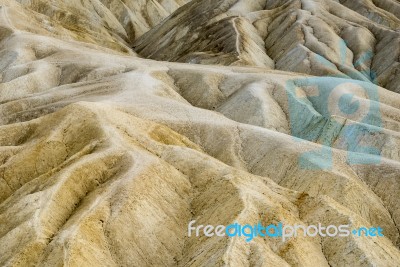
x=351 y=39
x=106 y=156
x=111 y=23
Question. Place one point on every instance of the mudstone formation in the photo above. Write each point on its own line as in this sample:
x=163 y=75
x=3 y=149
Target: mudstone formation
x=123 y=120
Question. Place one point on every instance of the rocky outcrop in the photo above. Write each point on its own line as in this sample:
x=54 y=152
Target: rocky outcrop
x=351 y=39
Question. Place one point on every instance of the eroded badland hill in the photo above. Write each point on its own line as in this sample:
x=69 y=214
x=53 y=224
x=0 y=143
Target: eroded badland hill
x=123 y=120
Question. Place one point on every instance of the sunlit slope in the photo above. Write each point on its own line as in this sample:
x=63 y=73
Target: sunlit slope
x=105 y=157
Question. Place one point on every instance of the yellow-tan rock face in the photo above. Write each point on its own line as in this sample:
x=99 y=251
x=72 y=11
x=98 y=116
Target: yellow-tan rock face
x=106 y=156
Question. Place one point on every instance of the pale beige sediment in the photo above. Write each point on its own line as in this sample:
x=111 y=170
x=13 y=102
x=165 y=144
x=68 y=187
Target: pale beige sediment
x=105 y=157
